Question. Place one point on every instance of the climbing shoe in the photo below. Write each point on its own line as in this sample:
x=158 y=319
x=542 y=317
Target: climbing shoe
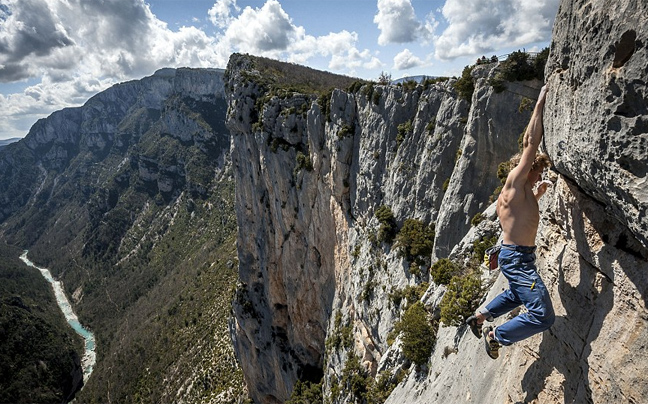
x=474 y=326
x=492 y=346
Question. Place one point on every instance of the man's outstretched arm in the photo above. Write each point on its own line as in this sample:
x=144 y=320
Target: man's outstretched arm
x=532 y=139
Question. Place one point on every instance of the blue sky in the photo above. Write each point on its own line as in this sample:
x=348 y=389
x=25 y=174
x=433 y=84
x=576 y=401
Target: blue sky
x=58 y=53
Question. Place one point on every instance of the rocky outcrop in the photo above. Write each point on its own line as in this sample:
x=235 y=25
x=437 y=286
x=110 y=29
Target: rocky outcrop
x=495 y=123
x=114 y=120
x=589 y=355
x=598 y=69
x=318 y=285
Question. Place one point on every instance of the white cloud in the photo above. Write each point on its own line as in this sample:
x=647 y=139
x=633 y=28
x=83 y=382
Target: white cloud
x=268 y=29
x=77 y=48
x=407 y=60
x=220 y=14
x=398 y=23
x=482 y=26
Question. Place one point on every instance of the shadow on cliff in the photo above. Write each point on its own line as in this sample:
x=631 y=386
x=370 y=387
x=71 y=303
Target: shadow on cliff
x=566 y=347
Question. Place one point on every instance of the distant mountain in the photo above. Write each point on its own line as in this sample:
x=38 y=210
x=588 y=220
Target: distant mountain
x=129 y=201
x=418 y=79
x=5 y=142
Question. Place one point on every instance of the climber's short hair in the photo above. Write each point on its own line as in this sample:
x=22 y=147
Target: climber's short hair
x=541 y=161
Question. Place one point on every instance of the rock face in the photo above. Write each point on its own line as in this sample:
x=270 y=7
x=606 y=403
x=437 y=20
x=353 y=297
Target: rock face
x=598 y=69
x=318 y=285
x=308 y=187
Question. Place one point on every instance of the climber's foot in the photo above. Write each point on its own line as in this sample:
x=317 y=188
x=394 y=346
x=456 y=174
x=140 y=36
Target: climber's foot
x=492 y=346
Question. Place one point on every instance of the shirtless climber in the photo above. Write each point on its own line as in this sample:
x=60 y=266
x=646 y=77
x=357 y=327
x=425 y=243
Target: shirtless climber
x=518 y=212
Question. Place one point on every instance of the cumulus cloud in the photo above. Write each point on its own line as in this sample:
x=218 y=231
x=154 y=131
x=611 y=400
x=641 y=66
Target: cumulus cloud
x=75 y=48
x=261 y=30
x=398 y=23
x=27 y=31
x=407 y=60
x=220 y=14
x=481 y=26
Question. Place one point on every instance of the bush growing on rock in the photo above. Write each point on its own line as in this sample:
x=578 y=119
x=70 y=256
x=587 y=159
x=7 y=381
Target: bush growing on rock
x=465 y=85
x=417 y=333
x=416 y=240
x=443 y=271
x=519 y=66
x=479 y=248
x=388 y=227
x=306 y=393
x=461 y=299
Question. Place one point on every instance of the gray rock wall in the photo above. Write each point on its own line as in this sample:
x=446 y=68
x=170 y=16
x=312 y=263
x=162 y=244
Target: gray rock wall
x=598 y=108
x=307 y=242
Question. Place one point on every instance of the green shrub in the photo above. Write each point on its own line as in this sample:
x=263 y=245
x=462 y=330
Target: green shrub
x=526 y=104
x=384 y=78
x=346 y=130
x=388 y=227
x=540 y=62
x=417 y=334
x=306 y=392
x=368 y=290
x=409 y=85
x=431 y=125
x=498 y=83
x=341 y=336
x=443 y=271
x=518 y=67
x=355 y=378
x=303 y=162
x=416 y=240
x=503 y=170
x=404 y=129
x=376 y=98
x=458 y=154
x=461 y=299
x=465 y=85
x=368 y=91
x=382 y=387
x=478 y=218
x=355 y=86
x=411 y=293
x=324 y=101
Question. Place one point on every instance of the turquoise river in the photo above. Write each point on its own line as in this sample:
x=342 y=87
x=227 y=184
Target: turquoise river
x=89 y=356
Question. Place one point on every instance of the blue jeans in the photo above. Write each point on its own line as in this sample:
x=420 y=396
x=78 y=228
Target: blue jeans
x=517 y=264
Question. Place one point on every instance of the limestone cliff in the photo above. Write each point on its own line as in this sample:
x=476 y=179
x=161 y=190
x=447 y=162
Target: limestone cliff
x=310 y=176
x=318 y=282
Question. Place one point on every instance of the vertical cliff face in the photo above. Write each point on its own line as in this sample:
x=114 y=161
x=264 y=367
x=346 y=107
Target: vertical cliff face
x=319 y=281
x=311 y=175
x=599 y=117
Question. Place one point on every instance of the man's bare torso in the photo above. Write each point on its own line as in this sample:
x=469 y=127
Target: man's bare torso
x=518 y=212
